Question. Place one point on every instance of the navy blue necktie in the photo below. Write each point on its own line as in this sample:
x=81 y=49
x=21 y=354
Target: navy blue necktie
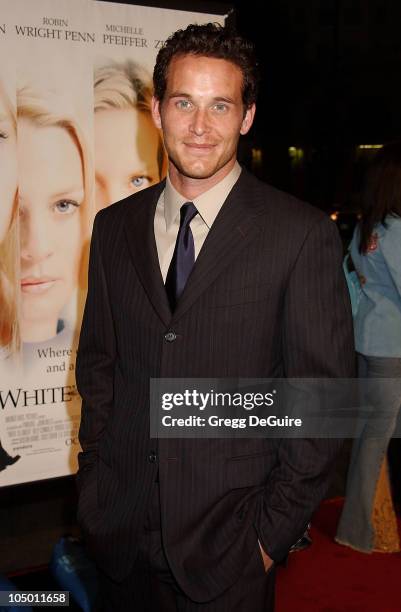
x=183 y=257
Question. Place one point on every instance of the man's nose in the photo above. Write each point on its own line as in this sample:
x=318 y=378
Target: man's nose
x=200 y=122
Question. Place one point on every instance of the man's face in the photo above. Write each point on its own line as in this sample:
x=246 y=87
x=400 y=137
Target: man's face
x=202 y=116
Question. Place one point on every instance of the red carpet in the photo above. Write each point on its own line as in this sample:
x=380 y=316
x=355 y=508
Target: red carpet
x=328 y=577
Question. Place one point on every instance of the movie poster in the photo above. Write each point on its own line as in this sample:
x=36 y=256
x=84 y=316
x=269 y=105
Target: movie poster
x=76 y=135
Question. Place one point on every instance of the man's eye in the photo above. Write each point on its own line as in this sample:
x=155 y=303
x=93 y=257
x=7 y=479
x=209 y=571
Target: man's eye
x=184 y=104
x=3 y=135
x=220 y=107
x=140 y=181
x=66 y=206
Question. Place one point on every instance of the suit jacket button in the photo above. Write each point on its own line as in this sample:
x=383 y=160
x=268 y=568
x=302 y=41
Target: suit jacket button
x=170 y=336
x=152 y=457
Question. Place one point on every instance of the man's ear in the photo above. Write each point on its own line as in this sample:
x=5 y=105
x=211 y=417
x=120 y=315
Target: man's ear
x=248 y=119
x=156 y=112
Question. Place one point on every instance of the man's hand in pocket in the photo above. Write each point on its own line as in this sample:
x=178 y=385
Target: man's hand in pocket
x=267 y=562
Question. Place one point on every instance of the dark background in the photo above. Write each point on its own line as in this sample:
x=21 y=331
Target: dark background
x=331 y=82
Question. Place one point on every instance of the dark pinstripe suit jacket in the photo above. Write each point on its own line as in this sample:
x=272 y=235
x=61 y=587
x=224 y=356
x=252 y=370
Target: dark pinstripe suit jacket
x=266 y=298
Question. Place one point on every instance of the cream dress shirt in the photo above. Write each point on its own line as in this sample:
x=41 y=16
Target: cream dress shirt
x=167 y=216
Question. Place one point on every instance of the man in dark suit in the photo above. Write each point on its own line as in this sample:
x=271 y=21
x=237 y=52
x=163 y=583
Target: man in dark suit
x=208 y=274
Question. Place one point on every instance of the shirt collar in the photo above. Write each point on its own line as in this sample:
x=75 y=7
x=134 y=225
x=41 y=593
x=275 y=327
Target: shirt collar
x=208 y=204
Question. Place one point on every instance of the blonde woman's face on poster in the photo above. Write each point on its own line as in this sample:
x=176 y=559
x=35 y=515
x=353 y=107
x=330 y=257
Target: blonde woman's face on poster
x=8 y=167
x=126 y=148
x=51 y=192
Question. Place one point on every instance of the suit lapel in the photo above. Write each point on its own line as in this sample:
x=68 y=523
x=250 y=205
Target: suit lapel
x=140 y=235
x=233 y=229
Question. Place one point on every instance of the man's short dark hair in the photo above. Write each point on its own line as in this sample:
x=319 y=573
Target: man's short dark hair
x=209 y=40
